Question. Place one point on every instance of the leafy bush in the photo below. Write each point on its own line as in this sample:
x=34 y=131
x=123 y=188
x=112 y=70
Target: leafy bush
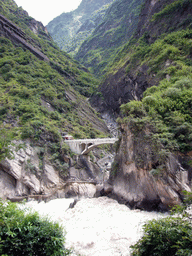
x=5 y=141
x=134 y=108
x=25 y=233
x=168 y=236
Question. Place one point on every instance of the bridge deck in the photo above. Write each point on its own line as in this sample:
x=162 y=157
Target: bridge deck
x=91 y=140
x=84 y=146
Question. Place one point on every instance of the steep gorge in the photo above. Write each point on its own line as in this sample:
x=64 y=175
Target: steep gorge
x=40 y=101
x=132 y=72
x=151 y=76
x=69 y=30
x=146 y=58
x=118 y=25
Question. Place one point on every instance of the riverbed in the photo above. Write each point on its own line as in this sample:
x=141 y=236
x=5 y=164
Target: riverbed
x=97 y=226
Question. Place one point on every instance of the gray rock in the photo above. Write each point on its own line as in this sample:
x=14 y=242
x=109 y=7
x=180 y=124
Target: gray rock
x=50 y=175
x=135 y=182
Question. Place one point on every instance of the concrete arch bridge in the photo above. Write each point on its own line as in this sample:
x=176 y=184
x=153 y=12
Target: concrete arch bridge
x=84 y=146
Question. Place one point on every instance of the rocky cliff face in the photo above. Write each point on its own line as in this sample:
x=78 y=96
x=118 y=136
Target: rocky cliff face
x=69 y=30
x=127 y=80
x=119 y=86
x=150 y=173
x=118 y=89
x=10 y=30
x=23 y=176
x=144 y=176
x=30 y=174
x=38 y=104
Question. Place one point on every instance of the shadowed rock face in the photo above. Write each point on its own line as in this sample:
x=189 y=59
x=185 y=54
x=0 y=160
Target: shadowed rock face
x=137 y=182
x=119 y=89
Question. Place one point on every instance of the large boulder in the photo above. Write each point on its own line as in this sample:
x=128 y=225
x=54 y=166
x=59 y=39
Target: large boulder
x=21 y=175
x=80 y=190
x=140 y=180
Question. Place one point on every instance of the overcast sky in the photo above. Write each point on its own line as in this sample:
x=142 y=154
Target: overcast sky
x=46 y=10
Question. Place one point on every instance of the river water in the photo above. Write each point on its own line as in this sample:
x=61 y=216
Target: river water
x=97 y=226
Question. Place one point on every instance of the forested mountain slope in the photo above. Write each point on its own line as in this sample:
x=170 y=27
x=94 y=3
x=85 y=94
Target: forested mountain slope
x=35 y=73
x=117 y=27
x=42 y=96
x=145 y=54
x=158 y=57
x=70 y=29
x=152 y=77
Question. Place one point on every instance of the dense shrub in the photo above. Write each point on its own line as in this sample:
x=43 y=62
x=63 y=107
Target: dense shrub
x=168 y=236
x=169 y=109
x=5 y=141
x=25 y=233
x=134 y=108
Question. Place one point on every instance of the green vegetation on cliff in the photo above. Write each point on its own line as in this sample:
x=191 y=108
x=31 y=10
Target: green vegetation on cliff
x=69 y=30
x=117 y=27
x=41 y=99
x=168 y=64
x=81 y=80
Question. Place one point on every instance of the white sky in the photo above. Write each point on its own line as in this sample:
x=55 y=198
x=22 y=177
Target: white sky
x=46 y=10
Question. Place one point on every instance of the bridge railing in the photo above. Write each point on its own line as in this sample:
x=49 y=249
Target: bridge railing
x=91 y=140
x=77 y=145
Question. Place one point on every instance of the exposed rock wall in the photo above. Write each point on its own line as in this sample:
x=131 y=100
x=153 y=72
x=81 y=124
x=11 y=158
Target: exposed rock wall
x=27 y=175
x=171 y=22
x=118 y=89
x=22 y=175
x=10 y=30
x=120 y=86
x=137 y=177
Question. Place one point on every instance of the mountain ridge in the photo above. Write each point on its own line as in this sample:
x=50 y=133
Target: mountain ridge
x=42 y=97
x=70 y=29
x=147 y=85
x=100 y=48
